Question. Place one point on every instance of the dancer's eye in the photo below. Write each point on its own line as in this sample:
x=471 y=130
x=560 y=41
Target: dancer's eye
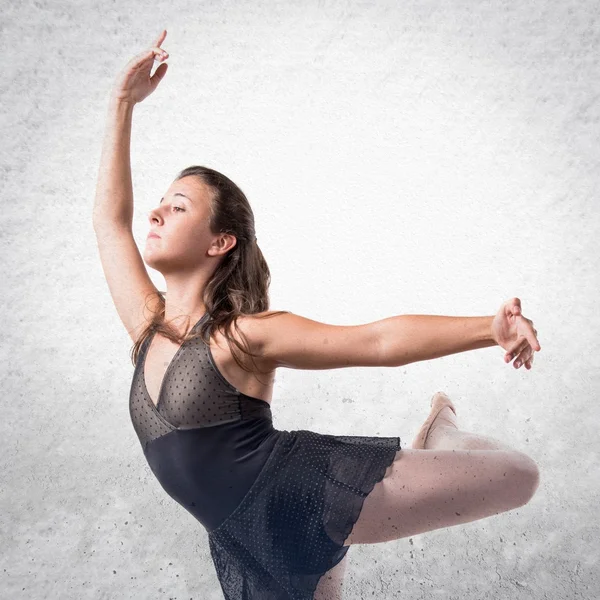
x=179 y=208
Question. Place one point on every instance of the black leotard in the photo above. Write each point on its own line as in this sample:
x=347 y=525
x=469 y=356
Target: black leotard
x=277 y=505
x=205 y=441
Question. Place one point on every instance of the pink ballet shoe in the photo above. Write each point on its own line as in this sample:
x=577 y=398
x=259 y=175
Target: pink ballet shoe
x=438 y=401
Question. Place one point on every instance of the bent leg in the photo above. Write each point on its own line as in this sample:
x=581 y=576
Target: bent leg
x=460 y=477
x=432 y=489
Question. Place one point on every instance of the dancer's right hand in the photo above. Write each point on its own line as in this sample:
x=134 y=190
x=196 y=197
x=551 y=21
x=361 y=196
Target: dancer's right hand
x=134 y=83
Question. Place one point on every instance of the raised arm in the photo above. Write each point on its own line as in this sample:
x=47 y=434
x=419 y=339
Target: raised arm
x=114 y=191
x=128 y=281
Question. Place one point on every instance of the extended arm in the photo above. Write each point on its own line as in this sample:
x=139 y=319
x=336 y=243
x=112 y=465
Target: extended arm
x=130 y=285
x=411 y=338
x=289 y=340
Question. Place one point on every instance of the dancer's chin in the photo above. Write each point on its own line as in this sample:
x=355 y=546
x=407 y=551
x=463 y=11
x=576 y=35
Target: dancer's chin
x=162 y=264
x=154 y=262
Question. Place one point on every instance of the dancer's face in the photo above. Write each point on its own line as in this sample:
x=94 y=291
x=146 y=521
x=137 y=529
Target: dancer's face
x=181 y=220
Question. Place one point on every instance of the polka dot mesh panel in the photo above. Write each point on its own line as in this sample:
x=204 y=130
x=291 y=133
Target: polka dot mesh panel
x=193 y=394
x=287 y=525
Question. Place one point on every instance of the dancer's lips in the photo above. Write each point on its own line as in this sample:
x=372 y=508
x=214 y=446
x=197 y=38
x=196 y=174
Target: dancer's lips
x=153 y=235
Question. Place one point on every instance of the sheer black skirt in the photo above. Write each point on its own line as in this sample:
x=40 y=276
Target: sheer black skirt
x=290 y=527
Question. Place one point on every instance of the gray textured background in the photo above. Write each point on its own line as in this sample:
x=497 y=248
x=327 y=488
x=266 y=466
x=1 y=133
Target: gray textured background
x=414 y=157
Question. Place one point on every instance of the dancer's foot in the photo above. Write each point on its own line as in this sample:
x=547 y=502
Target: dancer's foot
x=442 y=414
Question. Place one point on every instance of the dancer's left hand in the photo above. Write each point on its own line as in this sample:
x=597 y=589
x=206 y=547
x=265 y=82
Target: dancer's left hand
x=516 y=334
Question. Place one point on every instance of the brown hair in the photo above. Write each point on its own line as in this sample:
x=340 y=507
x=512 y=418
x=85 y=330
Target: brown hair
x=239 y=285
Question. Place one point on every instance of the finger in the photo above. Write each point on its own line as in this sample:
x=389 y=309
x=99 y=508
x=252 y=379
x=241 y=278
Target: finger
x=153 y=54
x=158 y=74
x=161 y=38
x=143 y=59
x=523 y=357
x=516 y=306
x=532 y=338
x=519 y=354
x=515 y=349
x=160 y=54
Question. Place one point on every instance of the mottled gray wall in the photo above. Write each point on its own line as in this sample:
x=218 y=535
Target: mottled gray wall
x=413 y=157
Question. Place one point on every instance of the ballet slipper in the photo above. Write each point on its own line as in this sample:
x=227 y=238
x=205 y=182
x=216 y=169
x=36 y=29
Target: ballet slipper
x=438 y=401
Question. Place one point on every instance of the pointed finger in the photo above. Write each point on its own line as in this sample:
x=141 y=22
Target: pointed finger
x=161 y=38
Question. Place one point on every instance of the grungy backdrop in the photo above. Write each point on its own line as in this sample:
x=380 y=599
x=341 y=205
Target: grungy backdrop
x=400 y=158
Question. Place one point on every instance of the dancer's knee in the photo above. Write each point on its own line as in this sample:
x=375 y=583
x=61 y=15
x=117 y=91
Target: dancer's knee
x=529 y=475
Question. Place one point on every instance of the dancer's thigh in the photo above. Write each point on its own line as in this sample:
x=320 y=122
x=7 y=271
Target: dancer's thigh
x=331 y=583
x=430 y=489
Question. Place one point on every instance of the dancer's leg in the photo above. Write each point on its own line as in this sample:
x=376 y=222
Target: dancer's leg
x=460 y=477
x=330 y=586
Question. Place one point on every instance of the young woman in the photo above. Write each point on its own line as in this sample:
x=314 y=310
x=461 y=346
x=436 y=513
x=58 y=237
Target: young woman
x=281 y=508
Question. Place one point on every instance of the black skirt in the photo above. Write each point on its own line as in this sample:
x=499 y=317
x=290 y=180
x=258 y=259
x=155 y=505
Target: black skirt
x=290 y=527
